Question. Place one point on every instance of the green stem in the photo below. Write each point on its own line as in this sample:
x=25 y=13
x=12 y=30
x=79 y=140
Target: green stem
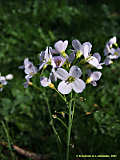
x=8 y=139
x=61 y=122
x=52 y=124
x=71 y=115
x=69 y=128
x=63 y=97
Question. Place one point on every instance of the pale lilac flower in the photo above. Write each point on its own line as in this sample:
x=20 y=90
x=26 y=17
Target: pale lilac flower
x=70 y=80
x=107 y=61
x=109 y=46
x=29 y=70
x=81 y=49
x=2 y=82
x=93 y=77
x=45 y=58
x=115 y=53
x=45 y=82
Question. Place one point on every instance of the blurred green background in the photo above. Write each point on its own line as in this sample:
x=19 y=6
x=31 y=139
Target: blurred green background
x=26 y=28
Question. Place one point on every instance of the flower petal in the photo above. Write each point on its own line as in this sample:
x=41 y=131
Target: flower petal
x=107 y=61
x=76 y=44
x=61 y=46
x=94 y=83
x=78 y=85
x=112 y=41
x=86 y=49
x=98 y=56
x=71 y=57
x=94 y=62
x=64 y=88
x=44 y=81
x=96 y=76
x=75 y=71
x=62 y=74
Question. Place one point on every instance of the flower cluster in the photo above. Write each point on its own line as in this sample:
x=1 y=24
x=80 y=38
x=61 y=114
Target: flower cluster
x=71 y=71
x=3 y=80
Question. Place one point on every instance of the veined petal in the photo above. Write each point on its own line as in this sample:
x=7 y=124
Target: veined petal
x=71 y=57
x=61 y=46
x=62 y=74
x=42 y=54
x=107 y=61
x=75 y=71
x=65 y=44
x=94 y=62
x=64 y=88
x=112 y=41
x=44 y=81
x=98 y=56
x=96 y=76
x=78 y=85
x=76 y=44
x=26 y=61
x=86 y=49
x=41 y=65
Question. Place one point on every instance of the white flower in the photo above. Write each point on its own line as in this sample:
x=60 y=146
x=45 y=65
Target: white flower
x=70 y=80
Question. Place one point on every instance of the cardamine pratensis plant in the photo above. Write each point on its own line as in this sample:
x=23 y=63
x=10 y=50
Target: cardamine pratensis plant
x=71 y=72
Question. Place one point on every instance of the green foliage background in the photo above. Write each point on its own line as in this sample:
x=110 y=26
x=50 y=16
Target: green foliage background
x=26 y=28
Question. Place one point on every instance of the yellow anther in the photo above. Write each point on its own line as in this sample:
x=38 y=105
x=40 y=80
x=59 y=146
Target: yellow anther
x=78 y=54
x=89 y=80
x=63 y=53
x=44 y=67
x=116 y=44
x=30 y=83
x=51 y=85
x=116 y=53
x=1 y=85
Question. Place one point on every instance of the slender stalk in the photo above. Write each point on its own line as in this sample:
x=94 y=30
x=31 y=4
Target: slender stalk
x=8 y=139
x=63 y=97
x=52 y=124
x=71 y=115
x=69 y=128
x=61 y=122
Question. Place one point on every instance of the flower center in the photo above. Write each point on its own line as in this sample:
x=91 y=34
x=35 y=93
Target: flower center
x=70 y=79
x=116 y=53
x=57 y=62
